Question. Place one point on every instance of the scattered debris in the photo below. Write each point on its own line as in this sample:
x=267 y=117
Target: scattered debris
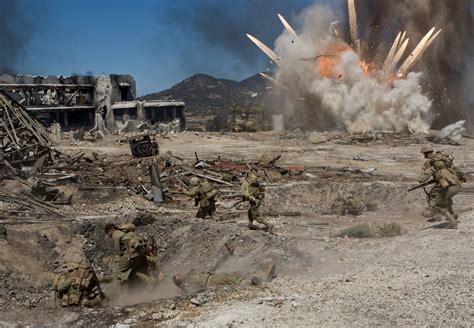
x=23 y=139
x=143 y=146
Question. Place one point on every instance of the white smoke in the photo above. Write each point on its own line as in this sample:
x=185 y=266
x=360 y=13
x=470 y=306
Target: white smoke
x=352 y=101
x=451 y=134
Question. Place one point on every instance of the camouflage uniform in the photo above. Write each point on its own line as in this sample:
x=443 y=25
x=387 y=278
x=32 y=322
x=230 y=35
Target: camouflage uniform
x=205 y=196
x=198 y=281
x=78 y=286
x=447 y=182
x=254 y=193
x=130 y=250
x=195 y=281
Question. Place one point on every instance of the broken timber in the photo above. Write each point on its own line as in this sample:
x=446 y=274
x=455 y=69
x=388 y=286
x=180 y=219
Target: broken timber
x=23 y=138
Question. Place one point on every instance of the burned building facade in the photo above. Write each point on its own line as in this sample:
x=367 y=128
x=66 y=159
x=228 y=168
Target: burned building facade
x=151 y=111
x=74 y=101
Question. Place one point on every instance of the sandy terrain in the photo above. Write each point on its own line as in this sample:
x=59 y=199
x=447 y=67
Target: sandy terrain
x=422 y=278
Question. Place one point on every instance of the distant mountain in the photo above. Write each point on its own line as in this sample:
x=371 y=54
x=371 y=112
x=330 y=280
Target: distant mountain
x=204 y=93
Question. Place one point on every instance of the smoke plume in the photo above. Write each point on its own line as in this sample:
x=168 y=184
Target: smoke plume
x=350 y=99
x=357 y=97
x=448 y=65
x=15 y=32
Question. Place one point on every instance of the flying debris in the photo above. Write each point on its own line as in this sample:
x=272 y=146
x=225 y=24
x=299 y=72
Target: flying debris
x=418 y=52
x=269 y=52
x=392 y=52
x=354 y=28
x=398 y=55
x=287 y=26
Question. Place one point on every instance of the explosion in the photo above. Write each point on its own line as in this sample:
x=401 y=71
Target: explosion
x=354 y=93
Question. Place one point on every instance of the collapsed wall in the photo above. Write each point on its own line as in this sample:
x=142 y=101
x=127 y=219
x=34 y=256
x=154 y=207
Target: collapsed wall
x=71 y=101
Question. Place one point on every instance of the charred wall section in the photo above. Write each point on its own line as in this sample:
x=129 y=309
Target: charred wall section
x=71 y=101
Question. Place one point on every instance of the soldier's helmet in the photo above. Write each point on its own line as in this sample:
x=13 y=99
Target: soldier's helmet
x=70 y=266
x=426 y=149
x=194 y=181
x=252 y=177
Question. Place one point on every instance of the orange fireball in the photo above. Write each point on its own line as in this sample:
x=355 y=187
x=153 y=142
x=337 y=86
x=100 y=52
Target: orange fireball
x=328 y=62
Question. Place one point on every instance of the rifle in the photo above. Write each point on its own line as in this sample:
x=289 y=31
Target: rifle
x=421 y=185
x=102 y=295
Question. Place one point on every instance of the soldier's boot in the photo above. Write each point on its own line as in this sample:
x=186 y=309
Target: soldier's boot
x=146 y=279
x=450 y=210
x=252 y=226
x=270 y=272
x=453 y=223
x=268 y=226
x=265 y=275
x=89 y=303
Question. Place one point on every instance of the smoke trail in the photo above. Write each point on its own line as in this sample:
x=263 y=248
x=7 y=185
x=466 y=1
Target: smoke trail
x=15 y=32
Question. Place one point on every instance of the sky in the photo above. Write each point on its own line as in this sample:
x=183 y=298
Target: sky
x=159 y=42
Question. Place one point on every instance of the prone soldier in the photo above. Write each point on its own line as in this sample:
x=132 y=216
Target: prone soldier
x=78 y=285
x=193 y=282
x=447 y=178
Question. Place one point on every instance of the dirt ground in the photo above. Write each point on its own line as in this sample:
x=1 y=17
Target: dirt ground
x=422 y=277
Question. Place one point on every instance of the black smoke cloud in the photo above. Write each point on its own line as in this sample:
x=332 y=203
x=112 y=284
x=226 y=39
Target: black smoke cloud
x=222 y=24
x=15 y=32
x=449 y=63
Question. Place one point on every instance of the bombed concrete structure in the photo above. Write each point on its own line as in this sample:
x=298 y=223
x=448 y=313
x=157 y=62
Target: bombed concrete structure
x=74 y=101
x=152 y=111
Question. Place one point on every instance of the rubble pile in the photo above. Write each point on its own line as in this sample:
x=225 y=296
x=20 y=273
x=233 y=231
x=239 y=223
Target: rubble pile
x=23 y=139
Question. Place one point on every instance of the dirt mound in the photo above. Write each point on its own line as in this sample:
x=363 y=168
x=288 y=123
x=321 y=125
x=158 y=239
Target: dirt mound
x=189 y=243
x=43 y=250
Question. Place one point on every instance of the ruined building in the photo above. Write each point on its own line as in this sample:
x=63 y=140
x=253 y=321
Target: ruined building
x=73 y=101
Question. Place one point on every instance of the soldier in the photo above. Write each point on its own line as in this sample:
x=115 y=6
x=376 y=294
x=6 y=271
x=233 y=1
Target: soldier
x=130 y=251
x=447 y=180
x=193 y=282
x=78 y=286
x=354 y=205
x=204 y=197
x=254 y=192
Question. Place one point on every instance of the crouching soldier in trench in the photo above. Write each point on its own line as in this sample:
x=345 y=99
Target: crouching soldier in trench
x=194 y=282
x=254 y=192
x=78 y=285
x=131 y=255
x=204 y=197
x=447 y=179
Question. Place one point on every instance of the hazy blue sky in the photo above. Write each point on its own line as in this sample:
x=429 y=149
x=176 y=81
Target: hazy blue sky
x=160 y=42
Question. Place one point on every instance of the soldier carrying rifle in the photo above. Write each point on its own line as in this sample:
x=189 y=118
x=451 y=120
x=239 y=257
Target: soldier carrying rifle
x=446 y=177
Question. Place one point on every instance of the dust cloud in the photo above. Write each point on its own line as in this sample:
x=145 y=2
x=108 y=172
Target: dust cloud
x=357 y=98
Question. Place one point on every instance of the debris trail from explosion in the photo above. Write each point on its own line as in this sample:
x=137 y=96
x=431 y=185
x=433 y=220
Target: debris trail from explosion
x=392 y=51
x=397 y=57
x=353 y=27
x=287 y=26
x=269 y=52
x=417 y=52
